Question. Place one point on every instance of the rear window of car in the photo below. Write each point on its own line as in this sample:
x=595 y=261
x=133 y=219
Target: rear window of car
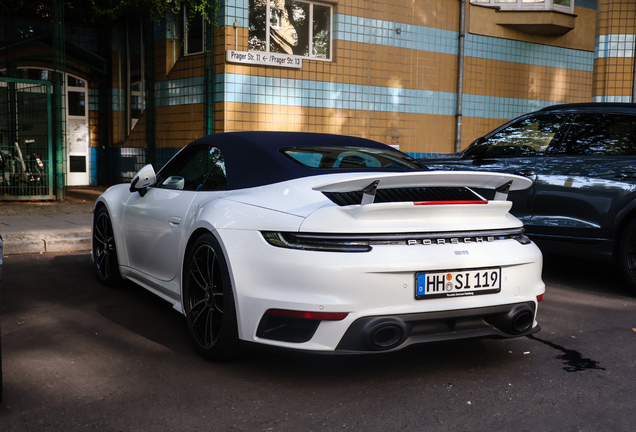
x=350 y=158
x=602 y=134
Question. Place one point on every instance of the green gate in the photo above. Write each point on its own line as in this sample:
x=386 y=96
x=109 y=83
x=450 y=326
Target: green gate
x=26 y=144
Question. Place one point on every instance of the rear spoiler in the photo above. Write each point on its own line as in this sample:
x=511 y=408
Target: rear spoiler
x=369 y=184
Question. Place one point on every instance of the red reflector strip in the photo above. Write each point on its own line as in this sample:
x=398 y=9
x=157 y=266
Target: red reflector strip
x=448 y=202
x=540 y=297
x=325 y=316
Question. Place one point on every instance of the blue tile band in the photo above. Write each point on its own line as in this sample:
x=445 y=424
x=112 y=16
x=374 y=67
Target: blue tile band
x=614 y=45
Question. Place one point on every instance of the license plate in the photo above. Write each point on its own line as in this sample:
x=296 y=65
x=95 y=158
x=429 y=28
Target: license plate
x=457 y=283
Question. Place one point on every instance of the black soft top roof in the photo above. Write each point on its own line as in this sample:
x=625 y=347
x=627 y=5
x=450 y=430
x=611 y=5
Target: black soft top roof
x=253 y=158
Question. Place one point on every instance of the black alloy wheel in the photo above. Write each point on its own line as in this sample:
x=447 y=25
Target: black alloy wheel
x=209 y=301
x=104 y=250
x=627 y=254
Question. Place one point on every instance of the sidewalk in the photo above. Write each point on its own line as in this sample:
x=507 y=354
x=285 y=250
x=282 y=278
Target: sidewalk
x=49 y=226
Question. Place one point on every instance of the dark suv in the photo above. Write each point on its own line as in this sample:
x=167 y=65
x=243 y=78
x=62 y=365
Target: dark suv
x=582 y=160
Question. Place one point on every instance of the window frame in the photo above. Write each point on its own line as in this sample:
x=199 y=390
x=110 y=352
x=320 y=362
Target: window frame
x=521 y=6
x=180 y=35
x=136 y=95
x=575 y=140
x=369 y=154
x=190 y=153
x=310 y=56
x=186 y=39
x=552 y=147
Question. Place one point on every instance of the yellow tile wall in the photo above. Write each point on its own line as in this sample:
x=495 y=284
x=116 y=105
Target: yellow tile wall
x=178 y=125
x=440 y=14
x=524 y=81
x=614 y=76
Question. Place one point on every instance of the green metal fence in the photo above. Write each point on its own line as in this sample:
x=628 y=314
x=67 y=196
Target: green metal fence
x=26 y=144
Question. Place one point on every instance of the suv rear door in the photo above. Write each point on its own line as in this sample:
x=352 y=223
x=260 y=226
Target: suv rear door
x=581 y=189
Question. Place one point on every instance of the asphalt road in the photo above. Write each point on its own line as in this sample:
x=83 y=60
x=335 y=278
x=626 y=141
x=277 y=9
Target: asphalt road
x=79 y=356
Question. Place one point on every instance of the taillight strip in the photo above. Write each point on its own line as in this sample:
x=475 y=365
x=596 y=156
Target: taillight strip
x=448 y=202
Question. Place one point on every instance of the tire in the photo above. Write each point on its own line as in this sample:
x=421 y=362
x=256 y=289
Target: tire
x=627 y=254
x=0 y=371
x=104 y=250
x=208 y=301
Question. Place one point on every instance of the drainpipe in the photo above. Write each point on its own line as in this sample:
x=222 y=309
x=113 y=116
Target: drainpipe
x=633 y=85
x=460 y=74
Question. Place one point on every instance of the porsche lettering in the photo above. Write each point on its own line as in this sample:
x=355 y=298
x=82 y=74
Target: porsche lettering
x=453 y=240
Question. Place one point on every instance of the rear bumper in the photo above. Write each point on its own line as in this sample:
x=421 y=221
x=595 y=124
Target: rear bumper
x=393 y=332
x=422 y=328
x=370 y=287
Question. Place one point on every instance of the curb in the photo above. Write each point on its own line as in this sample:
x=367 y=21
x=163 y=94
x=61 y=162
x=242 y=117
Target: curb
x=20 y=244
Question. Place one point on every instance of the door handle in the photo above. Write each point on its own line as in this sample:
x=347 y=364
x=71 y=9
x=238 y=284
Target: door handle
x=174 y=220
x=525 y=173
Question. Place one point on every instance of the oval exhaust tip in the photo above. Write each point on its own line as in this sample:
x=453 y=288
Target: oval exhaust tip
x=522 y=321
x=386 y=336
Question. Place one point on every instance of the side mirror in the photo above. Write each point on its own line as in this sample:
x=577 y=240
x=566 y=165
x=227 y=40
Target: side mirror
x=476 y=148
x=145 y=177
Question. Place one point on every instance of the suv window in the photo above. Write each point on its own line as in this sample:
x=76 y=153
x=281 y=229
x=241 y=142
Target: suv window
x=529 y=136
x=602 y=134
x=195 y=168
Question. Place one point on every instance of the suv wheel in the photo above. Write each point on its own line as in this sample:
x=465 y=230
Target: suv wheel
x=627 y=254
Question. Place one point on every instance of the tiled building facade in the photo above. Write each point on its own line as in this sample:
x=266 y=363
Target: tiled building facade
x=614 y=52
x=384 y=70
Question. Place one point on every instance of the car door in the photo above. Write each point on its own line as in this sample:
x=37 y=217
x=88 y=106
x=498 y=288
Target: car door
x=581 y=188
x=154 y=224
x=520 y=148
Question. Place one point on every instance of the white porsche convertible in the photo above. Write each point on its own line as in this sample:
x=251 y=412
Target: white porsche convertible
x=320 y=243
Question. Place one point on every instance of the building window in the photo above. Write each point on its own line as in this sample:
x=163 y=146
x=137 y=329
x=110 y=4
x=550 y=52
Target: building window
x=76 y=103
x=194 y=35
x=291 y=27
x=187 y=39
x=566 y=6
x=135 y=84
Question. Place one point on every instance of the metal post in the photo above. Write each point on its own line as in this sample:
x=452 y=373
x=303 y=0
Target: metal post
x=460 y=74
x=59 y=96
x=104 y=174
x=149 y=90
x=208 y=75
